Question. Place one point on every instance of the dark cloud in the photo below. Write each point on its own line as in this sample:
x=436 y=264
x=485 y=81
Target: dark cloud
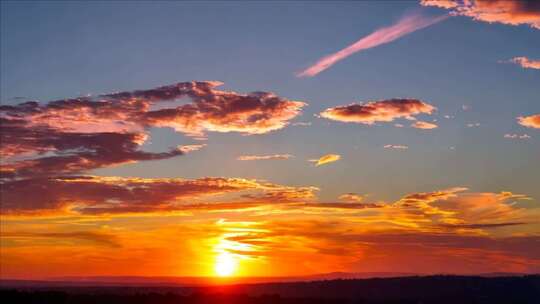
x=79 y=134
x=95 y=194
x=70 y=152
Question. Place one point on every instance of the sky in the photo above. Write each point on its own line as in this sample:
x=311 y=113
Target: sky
x=269 y=138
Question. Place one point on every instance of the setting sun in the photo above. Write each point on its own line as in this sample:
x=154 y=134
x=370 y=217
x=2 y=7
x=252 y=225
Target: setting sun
x=226 y=264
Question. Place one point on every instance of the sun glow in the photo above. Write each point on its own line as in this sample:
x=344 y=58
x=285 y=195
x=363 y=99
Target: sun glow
x=226 y=264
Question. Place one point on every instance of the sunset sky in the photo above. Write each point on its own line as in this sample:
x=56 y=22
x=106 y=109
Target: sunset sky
x=269 y=138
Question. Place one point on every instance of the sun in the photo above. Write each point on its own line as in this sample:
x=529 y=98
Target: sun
x=226 y=264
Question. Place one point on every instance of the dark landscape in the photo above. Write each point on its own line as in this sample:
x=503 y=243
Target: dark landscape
x=414 y=289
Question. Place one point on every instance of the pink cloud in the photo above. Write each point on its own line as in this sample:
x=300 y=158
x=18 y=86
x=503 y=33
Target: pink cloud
x=404 y=26
x=381 y=110
x=491 y=11
x=526 y=63
x=78 y=134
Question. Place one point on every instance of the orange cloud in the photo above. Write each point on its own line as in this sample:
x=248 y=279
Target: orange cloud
x=406 y=25
x=449 y=230
x=108 y=240
x=265 y=157
x=285 y=194
x=351 y=197
x=482 y=208
x=532 y=121
x=326 y=159
x=526 y=63
x=493 y=11
x=424 y=125
x=378 y=111
x=429 y=197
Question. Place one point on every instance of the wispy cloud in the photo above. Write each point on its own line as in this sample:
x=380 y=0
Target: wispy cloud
x=424 y=125
x=400 y=147
x=265 y=157
x=404 y=26
x=301 y=124
x=516 y=136
x=326 y=159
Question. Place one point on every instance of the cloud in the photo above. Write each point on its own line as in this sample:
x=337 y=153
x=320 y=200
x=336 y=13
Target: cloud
x=378 y=111
x=483 y=226
x=424 y=125
x=526 y=63
x=302 y=124
x=222 y=111
x=210 y=110
x=456 y=208
x=97 y=194
x=390 y=250
x=265 y=157
x=482 y=208
x=326 y=159
x=400 y=147
x=429 y=197
x=516 y=136
x=532 y=121
x=440 y=3
x=351 y=197
x=406 y=25
x=191 y=148
x=56 y=152
x=108 y=240
x=74 y=135
x=447 y=230
x=285 y=194
x=493 y=11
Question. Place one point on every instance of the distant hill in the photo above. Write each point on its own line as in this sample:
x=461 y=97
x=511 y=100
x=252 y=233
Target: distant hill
x=441 y=289
x=204 y=281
